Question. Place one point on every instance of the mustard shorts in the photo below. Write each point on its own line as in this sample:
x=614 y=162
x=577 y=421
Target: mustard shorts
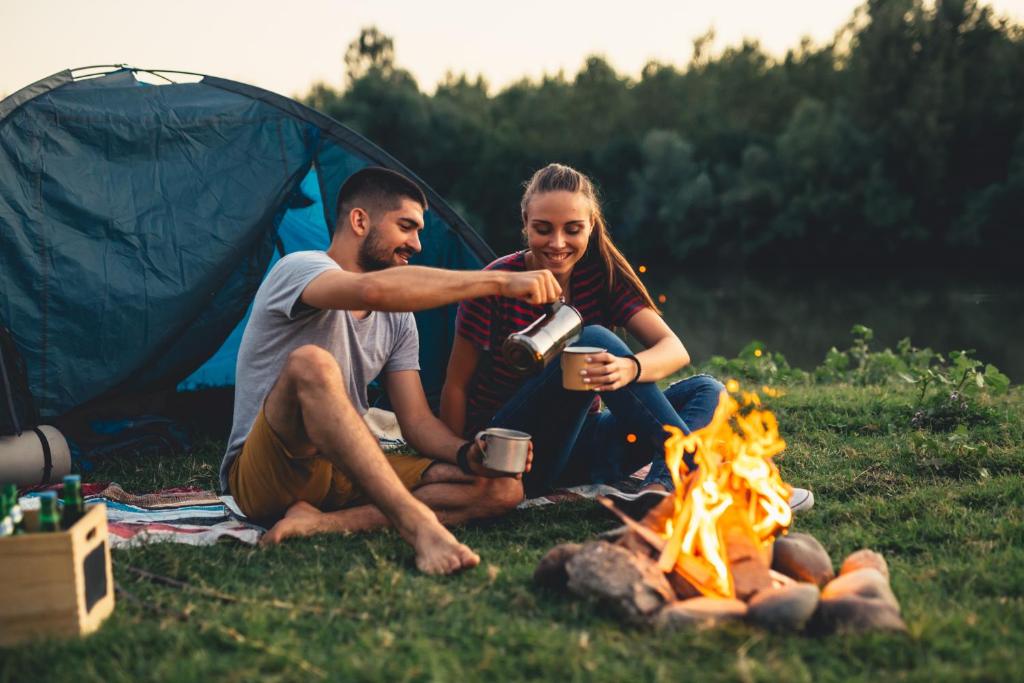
x=266 y=479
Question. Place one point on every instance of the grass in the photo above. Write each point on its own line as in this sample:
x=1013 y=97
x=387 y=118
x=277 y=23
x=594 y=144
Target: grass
x=947 y=515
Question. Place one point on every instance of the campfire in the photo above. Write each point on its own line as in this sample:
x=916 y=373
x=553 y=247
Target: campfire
x=719 y=549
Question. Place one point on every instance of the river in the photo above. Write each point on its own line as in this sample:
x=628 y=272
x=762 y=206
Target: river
x=803 y=313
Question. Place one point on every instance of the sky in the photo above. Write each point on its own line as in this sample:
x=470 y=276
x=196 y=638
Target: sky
x=288 y=46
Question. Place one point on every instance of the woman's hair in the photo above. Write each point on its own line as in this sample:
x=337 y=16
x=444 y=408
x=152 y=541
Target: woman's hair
x=559 y=177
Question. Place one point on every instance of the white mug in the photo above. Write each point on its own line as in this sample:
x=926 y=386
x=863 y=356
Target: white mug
x=505 y=450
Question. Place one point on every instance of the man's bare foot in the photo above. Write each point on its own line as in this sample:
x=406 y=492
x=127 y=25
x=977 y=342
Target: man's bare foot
x=301 y=519
x=438 y=552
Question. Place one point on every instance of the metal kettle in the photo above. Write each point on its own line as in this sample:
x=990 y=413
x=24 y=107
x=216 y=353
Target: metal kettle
x=537 y=344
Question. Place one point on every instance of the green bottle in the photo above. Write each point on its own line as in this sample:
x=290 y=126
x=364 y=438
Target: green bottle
x=14 y=508
x=6 y=523
x=49 y=520
x=72 y=501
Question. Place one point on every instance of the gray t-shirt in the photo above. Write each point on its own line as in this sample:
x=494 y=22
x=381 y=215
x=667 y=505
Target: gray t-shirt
x=280 y=323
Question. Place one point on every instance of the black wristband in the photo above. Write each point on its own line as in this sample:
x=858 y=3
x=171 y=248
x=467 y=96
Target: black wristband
x=639 y=369
x=462 y=458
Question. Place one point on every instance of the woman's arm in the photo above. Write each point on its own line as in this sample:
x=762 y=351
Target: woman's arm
x=461 y=366
x=664 y=354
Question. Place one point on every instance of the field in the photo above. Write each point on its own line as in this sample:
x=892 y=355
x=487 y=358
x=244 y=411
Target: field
x=946 y=508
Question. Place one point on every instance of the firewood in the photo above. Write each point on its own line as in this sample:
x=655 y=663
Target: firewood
x=748 y=563
x=647 y=534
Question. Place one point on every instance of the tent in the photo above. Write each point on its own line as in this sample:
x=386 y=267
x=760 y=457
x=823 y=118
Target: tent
x=137 y=221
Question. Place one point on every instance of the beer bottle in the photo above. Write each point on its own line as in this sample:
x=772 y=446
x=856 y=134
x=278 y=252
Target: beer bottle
x=72 y=501
x=49 y=520
x=6 y=524
x=14 y=508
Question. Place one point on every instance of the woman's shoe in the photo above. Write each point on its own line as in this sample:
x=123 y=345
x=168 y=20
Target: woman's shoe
x=636 y=505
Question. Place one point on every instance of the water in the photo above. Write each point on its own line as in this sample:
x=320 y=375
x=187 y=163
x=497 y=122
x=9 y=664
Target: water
x=802 y=314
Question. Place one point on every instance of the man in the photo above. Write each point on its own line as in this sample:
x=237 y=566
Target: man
x=325 y=324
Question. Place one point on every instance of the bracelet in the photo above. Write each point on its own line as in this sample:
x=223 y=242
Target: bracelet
x=638 y=368
x=462 y=458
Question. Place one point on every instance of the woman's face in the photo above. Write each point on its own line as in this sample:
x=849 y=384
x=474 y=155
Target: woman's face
x=558 y=227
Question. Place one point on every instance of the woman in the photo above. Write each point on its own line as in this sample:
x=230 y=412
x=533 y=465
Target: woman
x=574 y=441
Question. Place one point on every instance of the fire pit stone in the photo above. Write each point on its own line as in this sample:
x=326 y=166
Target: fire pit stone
x=786 y=608
x=802 y=557
x=863 y=583
x=550 y=570
x=631 y=584
x=854 y=614
x=699 y=613
x=860 y=599
x=864 y=559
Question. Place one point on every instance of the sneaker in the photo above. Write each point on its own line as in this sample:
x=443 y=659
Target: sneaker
x=801 y=500
x=636 y=505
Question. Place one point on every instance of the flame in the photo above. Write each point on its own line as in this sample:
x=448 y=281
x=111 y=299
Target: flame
x=734 y=478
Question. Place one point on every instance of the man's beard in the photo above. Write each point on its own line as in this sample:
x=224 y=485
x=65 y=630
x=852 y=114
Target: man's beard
x=373 y=255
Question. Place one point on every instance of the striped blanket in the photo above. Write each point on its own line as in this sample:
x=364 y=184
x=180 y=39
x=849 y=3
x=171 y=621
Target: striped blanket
x=180 y=515
x=198 y=517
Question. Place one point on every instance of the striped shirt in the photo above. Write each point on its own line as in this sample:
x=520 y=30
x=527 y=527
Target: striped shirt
x=487 y=321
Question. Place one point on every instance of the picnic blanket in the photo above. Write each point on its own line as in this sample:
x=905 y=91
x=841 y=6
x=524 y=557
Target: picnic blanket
x=199 y=517
x=178 y=515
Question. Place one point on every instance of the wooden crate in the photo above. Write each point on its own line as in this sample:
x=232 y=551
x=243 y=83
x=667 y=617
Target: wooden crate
x=56 y=584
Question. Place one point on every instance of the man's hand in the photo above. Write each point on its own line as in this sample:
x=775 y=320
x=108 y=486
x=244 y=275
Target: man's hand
x=533 y=286
x=475 y=457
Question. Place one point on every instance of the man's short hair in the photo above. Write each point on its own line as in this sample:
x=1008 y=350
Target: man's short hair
x=376 y=190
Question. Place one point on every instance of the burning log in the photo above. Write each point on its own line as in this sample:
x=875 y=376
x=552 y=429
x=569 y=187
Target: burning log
x=749 y=560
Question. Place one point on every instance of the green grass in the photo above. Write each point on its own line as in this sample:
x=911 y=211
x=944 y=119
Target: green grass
x=950 y=521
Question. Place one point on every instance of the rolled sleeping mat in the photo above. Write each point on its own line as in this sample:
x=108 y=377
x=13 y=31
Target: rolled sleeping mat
x=39 y=456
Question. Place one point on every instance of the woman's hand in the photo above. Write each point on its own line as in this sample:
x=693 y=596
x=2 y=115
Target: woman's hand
x=608 y=372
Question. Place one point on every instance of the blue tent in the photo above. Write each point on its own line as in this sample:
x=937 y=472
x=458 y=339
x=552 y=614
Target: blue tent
x=137 y=221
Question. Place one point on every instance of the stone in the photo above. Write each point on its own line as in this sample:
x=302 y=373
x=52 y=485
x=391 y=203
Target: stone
x=855 y=614
x=787 y=608
x=550 y=570
x=862 y=583
x=632 y=585
x=801 y=557
x=865 y=559
x=699 y=613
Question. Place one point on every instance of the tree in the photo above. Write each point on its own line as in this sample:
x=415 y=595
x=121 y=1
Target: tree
x=371 y=51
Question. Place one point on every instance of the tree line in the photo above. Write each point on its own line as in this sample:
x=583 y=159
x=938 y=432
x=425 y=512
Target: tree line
x=900 y=142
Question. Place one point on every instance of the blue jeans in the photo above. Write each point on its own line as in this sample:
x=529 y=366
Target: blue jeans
x=574 y=446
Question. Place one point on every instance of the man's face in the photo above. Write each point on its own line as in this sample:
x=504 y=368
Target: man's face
x=393 y=238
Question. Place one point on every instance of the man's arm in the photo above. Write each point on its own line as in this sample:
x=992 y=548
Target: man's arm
x=424 y=432
x=416 y=288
